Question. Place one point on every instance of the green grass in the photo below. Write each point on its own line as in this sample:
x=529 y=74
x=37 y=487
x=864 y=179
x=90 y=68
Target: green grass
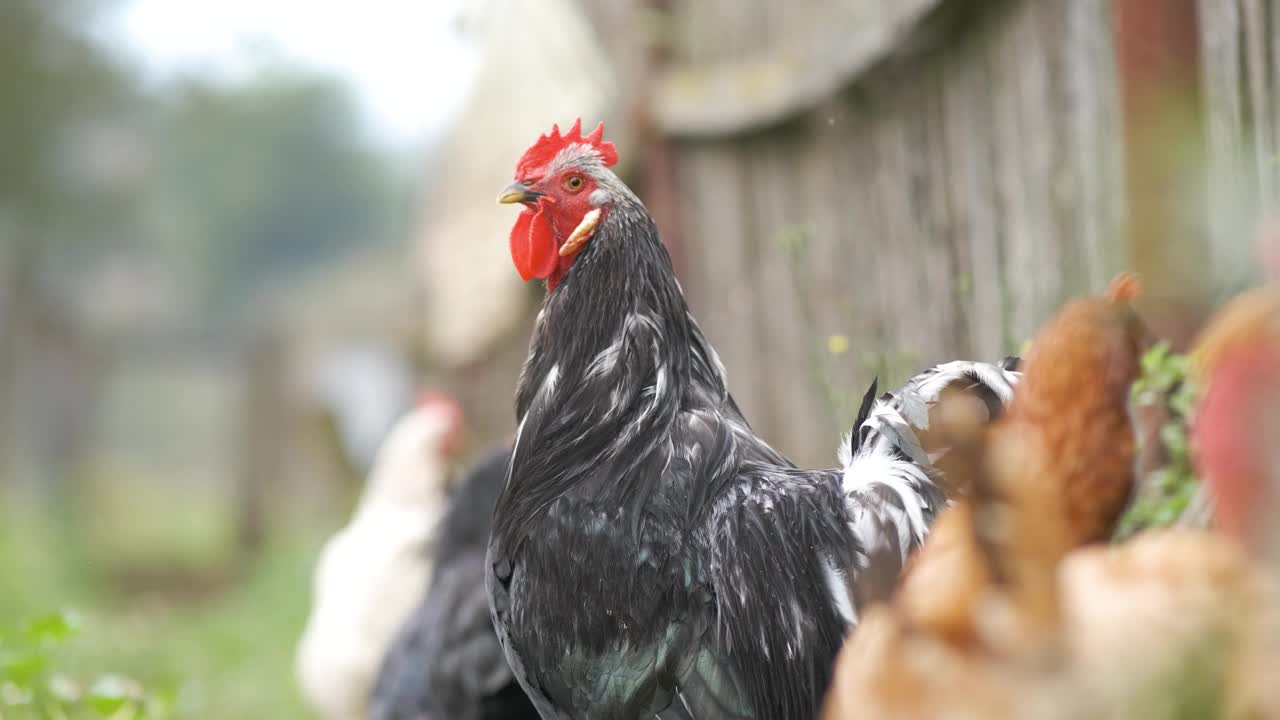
x=226 y=656
x=187 y=522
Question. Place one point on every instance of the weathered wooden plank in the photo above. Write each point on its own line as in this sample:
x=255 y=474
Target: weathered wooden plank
x=953 y=198
x=901 y=315
x=924 y=254
x=973 y=206
x=1012 y=178
x=1273 y=109
x=827 y=290
x=1061 y=227
x=938 y=228
x=786 y=341
x=1095 y=171
x=1229 y=196
x=717 y=230
x=1259 y=89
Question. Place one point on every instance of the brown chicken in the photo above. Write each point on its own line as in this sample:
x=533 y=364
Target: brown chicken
x=1192 y=608
x=1053 y=474
x=1000 y=618
x=1068 y=428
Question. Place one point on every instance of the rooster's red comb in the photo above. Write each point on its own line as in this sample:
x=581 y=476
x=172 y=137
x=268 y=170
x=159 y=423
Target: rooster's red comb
x=542 y=152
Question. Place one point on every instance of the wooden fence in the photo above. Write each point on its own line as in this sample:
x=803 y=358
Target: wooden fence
x=869 y=186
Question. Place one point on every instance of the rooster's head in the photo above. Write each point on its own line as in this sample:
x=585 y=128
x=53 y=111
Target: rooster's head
x=565 y=187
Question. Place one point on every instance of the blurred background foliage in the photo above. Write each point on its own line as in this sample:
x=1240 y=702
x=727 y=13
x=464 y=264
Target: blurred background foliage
x=141 y=225
x=262 y=180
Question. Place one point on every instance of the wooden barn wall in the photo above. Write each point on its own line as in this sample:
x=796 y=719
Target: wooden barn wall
x=1241 y=79
x=940 y=203
x=941 y=208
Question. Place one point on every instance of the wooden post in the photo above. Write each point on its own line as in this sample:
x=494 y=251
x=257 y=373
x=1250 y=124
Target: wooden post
x=658 y=167
x=17 y=286
x=265 y=416
x=1157 y=46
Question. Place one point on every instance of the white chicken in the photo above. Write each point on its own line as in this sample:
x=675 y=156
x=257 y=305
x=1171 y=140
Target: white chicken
x=373 y=572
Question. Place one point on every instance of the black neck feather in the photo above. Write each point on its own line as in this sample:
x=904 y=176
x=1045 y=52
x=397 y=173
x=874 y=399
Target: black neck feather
x=614 y=360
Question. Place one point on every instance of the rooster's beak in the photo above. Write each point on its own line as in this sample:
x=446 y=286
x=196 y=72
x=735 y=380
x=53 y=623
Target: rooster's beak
x=517 y=193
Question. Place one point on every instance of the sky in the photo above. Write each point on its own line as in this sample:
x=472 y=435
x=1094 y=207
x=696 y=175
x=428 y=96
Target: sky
x=405 y=60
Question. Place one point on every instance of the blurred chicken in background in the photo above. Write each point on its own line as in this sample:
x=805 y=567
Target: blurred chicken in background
x=372 y=573
x=446 y=661
x=1069 y=430
x=1236 y=433
x=1051 y=475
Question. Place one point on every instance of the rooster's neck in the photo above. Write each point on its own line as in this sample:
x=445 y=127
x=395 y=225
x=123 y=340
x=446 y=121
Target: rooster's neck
x=615 y=355
x=616 y=364
x=619 y=308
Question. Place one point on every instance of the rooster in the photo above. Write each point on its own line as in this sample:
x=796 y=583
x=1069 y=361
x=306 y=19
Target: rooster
x=651 y=557
x=446 y=661
x=372 y=572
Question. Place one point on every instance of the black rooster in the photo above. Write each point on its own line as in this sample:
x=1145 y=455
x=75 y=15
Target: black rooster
x=651 y=557
x=446 y=663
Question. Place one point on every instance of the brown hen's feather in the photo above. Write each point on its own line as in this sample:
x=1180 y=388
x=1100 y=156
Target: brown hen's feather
x=1124 y=288
x=1173 y=624
x=1073 y=406
x=1051 y=475
x=999 y=617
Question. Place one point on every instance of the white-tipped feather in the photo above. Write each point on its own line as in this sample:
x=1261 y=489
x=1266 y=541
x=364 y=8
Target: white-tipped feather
x=838 y=586
x=903 y=478
x=889 y=480
x=894 y=420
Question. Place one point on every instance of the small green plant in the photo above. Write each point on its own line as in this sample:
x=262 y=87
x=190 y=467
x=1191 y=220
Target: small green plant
x=826 y=351
x=793 y=242
x=33 y=685
x=1165 y=495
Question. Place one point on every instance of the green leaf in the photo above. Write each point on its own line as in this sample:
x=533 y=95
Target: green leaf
x=1166 y=493
x=109 y=694
x=1174 y=437
x=53 y=627
x=1154 y=358
x=23 y=668
x=794 y=240
x=1183 y=401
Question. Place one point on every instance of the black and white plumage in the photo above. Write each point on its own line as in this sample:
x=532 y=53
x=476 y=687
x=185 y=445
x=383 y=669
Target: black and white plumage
x=445 y=663
x=890 y=478
x=651 y=556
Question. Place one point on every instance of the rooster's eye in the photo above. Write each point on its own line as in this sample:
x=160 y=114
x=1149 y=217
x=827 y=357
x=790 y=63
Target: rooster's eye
x=573 y=183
